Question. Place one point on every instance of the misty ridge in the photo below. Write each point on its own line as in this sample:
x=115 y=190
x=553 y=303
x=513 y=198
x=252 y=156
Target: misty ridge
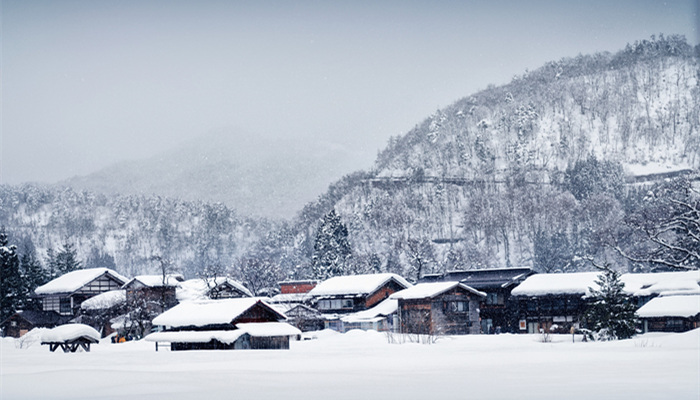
x=539 y=172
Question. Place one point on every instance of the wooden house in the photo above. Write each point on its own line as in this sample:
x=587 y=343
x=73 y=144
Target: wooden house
x=243 y=323
x=66 y=293
x=496 y=311
x=347 y=294
x=670 y=314
x=439 y=308
x=556 y=302
x=22 y=322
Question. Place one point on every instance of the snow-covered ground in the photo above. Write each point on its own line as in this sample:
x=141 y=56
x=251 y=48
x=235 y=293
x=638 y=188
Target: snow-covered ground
x=363 y=365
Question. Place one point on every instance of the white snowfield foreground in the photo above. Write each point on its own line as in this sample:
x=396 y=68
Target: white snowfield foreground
x=364 y=365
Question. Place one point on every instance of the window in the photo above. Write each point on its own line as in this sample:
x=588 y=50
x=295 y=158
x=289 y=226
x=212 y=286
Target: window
x=457 y=306
x=65 y=305
x=494 y=298
x=335 y=304
x=51 y=304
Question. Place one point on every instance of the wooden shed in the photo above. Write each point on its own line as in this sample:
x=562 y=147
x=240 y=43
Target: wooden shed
x=670 y=314
x=439 y=308
x=243 y=323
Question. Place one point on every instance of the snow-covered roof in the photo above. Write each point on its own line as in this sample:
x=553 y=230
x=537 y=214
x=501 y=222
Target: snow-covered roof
x=210 y=312
x=386 y=307
x=263 y=329
x=356 y=284
x=266 y=329
x=156 y=280
x=104 y=300
x=68 y=332
x=543 y=284
x=289 y=298
x=227 y=337
x=666 y=283
x=671 y=306
x=197 y=289
x=662 y=283
x=431 y=289
x=75 y=280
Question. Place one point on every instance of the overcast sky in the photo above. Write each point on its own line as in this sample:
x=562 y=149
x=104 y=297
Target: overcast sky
x=89 y=83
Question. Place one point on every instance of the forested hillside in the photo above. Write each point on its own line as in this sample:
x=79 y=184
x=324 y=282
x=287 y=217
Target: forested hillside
x=539 y=172
x=531 y=173
x=125 y=232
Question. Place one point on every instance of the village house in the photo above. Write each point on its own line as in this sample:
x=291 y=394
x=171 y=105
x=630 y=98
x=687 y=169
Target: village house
x=342 y=295
x=677 y=313
x=66 y=293
x=557 y=302
x=496 y=311
x=439 y=308
x=242 y=323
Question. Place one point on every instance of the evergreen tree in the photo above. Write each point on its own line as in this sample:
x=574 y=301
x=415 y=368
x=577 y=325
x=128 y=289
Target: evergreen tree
x=331 y=247
x=12 y=295
x=33 y=275
x=66 y=259
x=591 y=176
x=611 y=315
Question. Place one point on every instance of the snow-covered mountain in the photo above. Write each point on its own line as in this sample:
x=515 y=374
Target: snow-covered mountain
x=230 y=168
x=487 y=180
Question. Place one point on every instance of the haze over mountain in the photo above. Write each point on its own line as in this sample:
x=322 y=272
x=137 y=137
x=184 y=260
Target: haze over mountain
x=253 y=174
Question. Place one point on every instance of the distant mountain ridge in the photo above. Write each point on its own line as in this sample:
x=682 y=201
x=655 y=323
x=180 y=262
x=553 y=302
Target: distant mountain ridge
x=228 y=167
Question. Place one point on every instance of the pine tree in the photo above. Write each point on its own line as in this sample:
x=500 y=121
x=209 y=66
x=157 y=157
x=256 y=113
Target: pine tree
x=331 y=248
x=11 y=293
x=33 y=275
x=611 y=315
x=66 y=259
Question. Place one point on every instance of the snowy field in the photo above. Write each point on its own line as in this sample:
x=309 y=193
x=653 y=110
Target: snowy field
x=363 y=365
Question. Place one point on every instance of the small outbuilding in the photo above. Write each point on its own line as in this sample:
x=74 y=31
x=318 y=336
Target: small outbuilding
x=243 y=323
x=439 y=308
x=670 y=314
